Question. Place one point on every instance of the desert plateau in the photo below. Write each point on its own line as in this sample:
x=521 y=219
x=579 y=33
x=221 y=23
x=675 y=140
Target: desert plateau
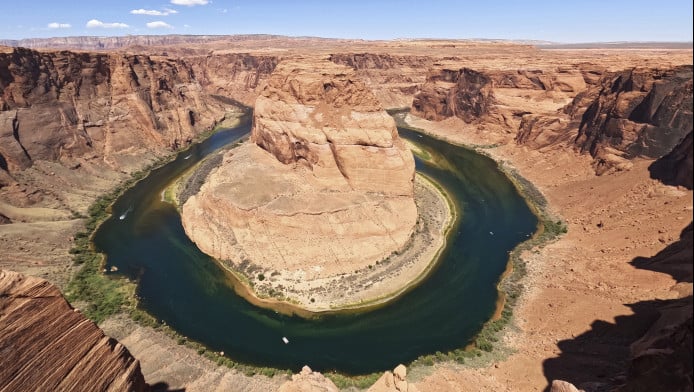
x=261 y=212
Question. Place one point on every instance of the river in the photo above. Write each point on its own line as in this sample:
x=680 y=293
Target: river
x=188 y=290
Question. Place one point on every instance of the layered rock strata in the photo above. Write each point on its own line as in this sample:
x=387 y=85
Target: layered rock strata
x=639 y=112
x=47 y=345
x=325 y=187
x=465 y=93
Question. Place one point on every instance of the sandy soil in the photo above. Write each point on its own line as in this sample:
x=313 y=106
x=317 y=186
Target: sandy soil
x=584 y=279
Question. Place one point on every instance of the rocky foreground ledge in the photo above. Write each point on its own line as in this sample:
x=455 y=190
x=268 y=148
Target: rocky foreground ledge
x=316 y=207
x=46 y=345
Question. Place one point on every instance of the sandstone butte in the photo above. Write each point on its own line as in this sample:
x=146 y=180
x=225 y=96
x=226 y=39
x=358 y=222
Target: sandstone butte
x=324 y=188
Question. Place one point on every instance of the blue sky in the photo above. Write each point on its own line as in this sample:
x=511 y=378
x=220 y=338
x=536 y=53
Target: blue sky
x=560 y=20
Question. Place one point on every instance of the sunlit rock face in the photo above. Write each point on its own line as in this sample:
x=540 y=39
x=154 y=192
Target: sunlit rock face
x=325 y=186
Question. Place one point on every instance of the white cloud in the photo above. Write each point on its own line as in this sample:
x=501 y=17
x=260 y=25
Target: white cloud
x=190 y=3
x=142 y=11
x=56 y=25
x=158 y=25
x=115 y=25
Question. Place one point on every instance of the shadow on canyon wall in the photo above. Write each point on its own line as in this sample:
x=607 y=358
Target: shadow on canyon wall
x=650 y=350
x=164 y=387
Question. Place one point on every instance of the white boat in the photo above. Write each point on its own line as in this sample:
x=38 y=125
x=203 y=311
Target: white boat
x=285 y=340
x=491 y=232
x=187 y=156
x=125 y=213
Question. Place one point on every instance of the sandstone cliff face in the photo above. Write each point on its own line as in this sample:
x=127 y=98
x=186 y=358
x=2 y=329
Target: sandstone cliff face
x=392 y=78
x=639 y=112
x=675 y=168
x=323 y=117
x=465 y=93
x=109 y=113
x=62 y=105
x=492 y=96
x=47 y=345
x=324 y=188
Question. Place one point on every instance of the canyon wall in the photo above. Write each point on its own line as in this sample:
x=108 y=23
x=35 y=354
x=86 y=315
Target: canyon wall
x=392 y=78
x=613 y=116
x=466 y=94
x=636 y=112
x=47 y=345
x=113 y=111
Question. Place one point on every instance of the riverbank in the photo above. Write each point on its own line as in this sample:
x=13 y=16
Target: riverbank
x=581 y=280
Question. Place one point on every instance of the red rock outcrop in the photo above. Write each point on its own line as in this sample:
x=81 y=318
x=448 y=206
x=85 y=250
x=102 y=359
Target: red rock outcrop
x=105 y=114
x=465 y=93
x=641 y=112
x=47 y=345
x=392 y=78
x=62 y=105
x=638 y=112
x=308 y=381
x=393 y=381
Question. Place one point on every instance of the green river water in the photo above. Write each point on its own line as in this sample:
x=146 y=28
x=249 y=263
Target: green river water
x=188 y=290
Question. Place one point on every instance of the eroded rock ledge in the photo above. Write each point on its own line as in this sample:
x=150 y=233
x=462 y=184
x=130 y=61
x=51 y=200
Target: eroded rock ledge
x=48 y=346
x=324 y=189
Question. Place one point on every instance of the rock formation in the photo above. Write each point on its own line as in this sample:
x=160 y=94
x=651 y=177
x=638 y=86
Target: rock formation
x=324 y=188
x=114 y=115
x=661 y=359
x=392 y=78
x=465 y=93
x=637 y=112
x=61 y=105
x=102 y=114
x=675 y=168
x=47 y=345
x=308 y=381
x=640 y=112
x=393 y=381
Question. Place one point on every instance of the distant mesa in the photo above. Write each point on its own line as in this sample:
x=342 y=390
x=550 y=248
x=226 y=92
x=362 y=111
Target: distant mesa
x=324 y=188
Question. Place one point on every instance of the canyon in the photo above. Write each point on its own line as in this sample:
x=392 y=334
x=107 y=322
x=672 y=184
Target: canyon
x=588 y=127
